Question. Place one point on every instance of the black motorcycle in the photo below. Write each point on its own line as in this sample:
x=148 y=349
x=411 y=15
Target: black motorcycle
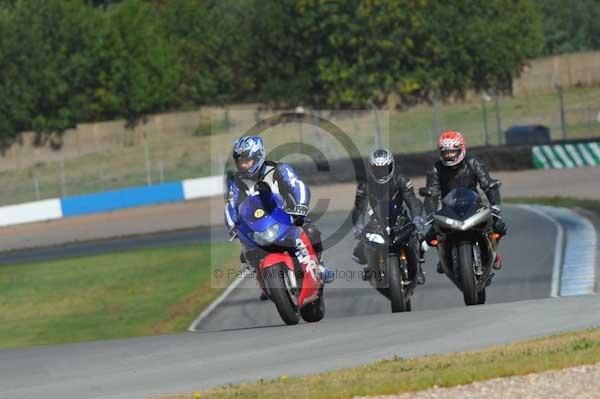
x=465 y=242
x=392 y=260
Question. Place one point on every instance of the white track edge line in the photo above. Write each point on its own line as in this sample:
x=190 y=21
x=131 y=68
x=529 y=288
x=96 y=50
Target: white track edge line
x=558 y=249
x=206 y=312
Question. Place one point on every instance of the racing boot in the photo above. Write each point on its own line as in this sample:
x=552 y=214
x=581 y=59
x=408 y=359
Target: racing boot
x=327 y=274
x=245 y=264
x=420 y=275
x=497 y=262
x=250 y=268
x=366 y=276
x=423 y=248
x=439 y=268
x=496 y=240
x=358 y=255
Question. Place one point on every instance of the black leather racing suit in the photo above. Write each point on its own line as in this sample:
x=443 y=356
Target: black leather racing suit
x=379 y=196
x=470 y=173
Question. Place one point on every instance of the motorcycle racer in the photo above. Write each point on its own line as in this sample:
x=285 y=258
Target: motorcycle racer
x=383 y=185
x=455 y=169
x=252 y=167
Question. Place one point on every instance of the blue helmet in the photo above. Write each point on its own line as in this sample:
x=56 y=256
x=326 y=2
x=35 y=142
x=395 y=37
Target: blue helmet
x=248 y=148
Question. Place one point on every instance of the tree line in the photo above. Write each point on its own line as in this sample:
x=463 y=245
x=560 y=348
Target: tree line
x=68 y=61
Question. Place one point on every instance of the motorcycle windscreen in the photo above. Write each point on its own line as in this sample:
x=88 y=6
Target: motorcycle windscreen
x=387 y=210
x=462 y=200
x=258 y=213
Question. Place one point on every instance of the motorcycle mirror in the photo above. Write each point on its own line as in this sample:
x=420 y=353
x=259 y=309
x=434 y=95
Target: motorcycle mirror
x=495 y=184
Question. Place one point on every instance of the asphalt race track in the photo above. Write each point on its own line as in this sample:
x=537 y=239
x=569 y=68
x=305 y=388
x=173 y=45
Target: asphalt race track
x=528 y=251
x=244 y=339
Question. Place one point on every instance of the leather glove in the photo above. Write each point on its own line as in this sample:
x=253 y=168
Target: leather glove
x=298 y=210
x=419 y=222
x=299 y=213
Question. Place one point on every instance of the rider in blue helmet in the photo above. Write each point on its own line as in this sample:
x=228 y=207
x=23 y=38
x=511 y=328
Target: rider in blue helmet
x=249 y=156
x=252 y=167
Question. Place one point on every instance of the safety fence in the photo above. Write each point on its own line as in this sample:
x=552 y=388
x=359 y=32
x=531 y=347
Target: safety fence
x=564 y=155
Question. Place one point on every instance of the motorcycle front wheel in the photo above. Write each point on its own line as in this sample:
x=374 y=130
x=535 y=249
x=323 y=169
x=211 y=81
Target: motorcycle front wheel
x=280 y=294
x=396 y=290
x=314 y=311
x=467 y=274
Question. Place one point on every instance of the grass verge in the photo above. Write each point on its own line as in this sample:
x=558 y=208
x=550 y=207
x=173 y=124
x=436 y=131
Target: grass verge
x=117 y=295
x=406 y=375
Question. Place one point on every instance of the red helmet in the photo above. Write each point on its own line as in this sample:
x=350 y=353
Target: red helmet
x=452 y=148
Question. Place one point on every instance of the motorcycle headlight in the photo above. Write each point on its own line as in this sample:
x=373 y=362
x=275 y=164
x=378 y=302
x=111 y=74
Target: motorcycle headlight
x=267 y=236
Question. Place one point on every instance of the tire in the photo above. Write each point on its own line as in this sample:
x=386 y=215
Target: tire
x=481 y=297
x=396 y=288
x=274 y=280
x=314 y=311
x=467 y=274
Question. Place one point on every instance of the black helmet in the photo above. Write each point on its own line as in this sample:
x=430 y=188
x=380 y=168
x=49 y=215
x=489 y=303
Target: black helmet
x=381 y=165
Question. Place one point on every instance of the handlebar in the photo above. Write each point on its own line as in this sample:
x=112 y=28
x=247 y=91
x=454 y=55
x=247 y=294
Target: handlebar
x=396 y=232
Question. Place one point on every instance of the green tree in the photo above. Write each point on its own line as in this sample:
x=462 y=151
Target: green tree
x=136 y=70
x=46 y=59
x=67 y=61
x=480 y=44
x=570 y=25
x=212 y=46
x=284 y=50
x=370 y=48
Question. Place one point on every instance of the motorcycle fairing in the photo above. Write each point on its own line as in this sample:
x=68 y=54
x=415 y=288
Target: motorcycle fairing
x=305 y=258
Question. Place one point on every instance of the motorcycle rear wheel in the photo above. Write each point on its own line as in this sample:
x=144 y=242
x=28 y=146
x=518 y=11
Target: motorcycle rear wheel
x=280 y=295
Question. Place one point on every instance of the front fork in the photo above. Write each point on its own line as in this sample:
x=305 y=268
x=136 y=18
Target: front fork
x=403 y=262
x=404 y=266
x=477 y=262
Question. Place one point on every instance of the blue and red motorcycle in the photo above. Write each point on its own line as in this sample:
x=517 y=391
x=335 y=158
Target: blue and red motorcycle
x=287 y=266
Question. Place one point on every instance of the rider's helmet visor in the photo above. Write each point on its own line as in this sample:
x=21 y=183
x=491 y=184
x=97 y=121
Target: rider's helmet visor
x=449 y=154
x=382 y=173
